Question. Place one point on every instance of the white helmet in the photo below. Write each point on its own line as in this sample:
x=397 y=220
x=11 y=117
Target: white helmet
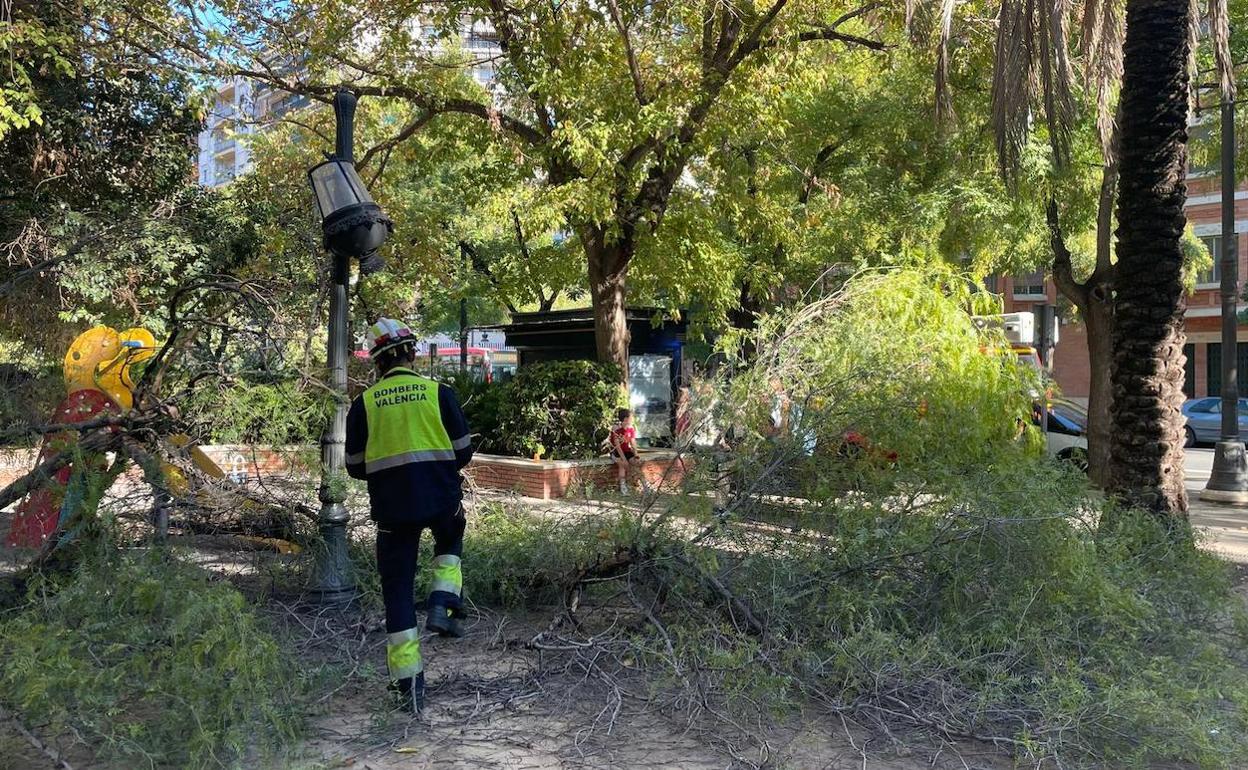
x=386 y=334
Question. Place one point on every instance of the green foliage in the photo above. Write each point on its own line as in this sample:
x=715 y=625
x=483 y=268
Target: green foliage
x=483 y=404
x=895 y=357
x=995 y=612
x=559 y=409
x=969 y=584
x=809 y=153
x=240 y=412
x=152 y=661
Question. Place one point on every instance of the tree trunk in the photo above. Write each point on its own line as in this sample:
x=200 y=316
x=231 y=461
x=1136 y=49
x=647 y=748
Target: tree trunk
x=1098 y=310
x=1146 y=469
x=1098 y=324
x=745 y=317
x=608 y=264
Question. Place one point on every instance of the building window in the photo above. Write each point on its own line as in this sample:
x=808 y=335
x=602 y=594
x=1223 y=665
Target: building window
x=1213 y=368
x=1029 y=285
x=1214 y=274
x=1189 y=370
x=992 y=283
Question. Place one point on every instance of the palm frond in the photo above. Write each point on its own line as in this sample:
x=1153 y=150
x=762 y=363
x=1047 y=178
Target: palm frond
x=1057 y=77
x=1013 y=81
x=1220 y=36
x=1103 y=64
x=1193 y=40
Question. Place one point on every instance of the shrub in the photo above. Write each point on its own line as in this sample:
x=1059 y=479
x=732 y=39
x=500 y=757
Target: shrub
x=971 y=585
x=482 y=403
x=26 y=398
x=259 y=413
x=149 y=659
x=559 y=408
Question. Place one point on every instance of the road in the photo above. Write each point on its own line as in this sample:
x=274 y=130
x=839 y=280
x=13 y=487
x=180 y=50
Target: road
x=1225 y=526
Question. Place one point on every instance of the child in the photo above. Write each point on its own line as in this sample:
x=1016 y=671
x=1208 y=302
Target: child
x=623 y=440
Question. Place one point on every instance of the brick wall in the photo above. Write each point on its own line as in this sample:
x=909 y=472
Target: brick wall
x=15 y=463
x=545 y=479
x=549 y=480
x=1070 y=361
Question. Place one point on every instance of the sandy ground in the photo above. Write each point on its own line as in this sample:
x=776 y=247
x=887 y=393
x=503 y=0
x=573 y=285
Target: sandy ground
x=496 y=703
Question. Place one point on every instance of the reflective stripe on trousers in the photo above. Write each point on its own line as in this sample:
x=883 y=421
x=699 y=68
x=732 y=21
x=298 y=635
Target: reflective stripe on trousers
x=448 y=575
x=403 y=654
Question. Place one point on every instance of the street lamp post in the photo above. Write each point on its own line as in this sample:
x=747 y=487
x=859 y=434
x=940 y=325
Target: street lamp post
x=354 y=227
x=463 y=320
x=1228 y=481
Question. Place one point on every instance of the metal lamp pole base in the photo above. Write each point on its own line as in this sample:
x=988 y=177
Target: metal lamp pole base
x=1228 y=482
x=332 y=581
x=331 y=577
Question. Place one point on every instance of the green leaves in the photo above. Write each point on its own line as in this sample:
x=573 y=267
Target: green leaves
x=129 y=640
x=558 y=409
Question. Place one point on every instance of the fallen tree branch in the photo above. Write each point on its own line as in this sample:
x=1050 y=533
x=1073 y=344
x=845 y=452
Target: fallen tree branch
x=738 y=610
x=33 y=740
x=97 y=442
x=129 y=421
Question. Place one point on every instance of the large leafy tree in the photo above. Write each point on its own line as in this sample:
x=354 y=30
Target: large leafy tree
x=844 y=165
x=95 y=151
x=604 y=107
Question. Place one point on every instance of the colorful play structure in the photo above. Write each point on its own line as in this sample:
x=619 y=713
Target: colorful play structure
x=100 y=375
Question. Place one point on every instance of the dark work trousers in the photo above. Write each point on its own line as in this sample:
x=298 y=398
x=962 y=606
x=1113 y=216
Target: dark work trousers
x=397 y=548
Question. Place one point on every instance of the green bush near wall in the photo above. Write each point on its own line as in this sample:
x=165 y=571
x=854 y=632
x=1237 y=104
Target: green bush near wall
x=558 y=409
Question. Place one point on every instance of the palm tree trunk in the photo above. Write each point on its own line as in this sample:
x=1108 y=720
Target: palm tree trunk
x=1146 y=469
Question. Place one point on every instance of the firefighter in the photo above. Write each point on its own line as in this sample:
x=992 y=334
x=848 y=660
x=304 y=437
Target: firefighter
x=407 y=437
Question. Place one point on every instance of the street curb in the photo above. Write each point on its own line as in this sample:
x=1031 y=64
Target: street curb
x=1236 y=499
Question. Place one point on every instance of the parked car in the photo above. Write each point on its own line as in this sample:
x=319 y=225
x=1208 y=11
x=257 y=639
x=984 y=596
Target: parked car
x=1067 y=436
x=1204 y=420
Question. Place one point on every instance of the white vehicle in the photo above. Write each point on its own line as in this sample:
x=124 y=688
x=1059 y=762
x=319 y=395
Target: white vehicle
x=1067 y=434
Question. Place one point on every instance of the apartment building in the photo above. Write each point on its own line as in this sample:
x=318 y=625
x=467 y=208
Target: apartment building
x=1204 y=306
x=244 y=107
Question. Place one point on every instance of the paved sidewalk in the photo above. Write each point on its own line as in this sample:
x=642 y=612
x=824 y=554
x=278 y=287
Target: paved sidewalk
x=1226 y=526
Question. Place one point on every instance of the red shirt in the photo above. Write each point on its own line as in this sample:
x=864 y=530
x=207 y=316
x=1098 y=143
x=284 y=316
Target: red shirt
x=623 y=438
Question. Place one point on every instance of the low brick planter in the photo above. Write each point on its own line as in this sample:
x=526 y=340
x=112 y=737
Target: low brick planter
x=554 y=479
x=544 y=479
x=240 y=462
x=15 y=463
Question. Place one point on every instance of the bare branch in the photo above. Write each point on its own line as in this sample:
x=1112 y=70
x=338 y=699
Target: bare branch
x=406 y=133
x=509 y=41
x=634 y=70
x=1063 y=270
x=42 y=473
x=435 y=105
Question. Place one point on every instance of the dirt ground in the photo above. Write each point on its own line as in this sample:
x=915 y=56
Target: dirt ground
x=495 y=703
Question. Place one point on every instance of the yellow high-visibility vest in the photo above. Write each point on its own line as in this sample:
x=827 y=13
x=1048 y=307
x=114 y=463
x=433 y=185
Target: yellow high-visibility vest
x=404 y=422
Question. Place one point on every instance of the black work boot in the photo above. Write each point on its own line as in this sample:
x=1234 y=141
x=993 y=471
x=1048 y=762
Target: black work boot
x=443 y=610
x=410 y=693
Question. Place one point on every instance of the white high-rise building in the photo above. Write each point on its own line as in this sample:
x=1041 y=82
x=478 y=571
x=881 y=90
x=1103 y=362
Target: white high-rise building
x=244 y=107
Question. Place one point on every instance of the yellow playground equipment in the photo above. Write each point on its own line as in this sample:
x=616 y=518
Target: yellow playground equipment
x=100 y=378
